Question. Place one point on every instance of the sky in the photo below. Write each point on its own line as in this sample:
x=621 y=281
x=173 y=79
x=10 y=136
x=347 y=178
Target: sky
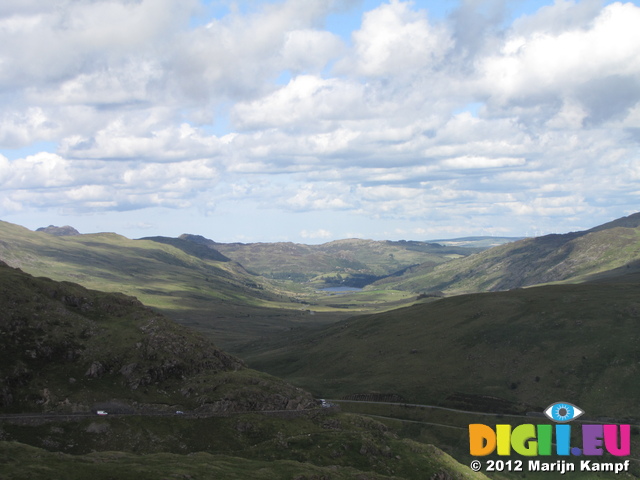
x=315 y=120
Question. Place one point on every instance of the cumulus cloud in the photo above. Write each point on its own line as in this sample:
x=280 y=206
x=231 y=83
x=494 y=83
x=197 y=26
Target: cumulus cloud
x=560 y=17
x=237 y=56
x=43 y=170
x=19 y=127
x=396 y=40
x=149 y=139
x=307 y=102
x=312 y=197
x=462 y=119
x=469 y=162
x=595 y=64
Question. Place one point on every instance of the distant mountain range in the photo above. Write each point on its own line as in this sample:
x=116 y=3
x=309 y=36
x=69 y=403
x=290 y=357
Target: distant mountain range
x=351 y=262
x=201 y=283
x=575 y=338
x=236 y=292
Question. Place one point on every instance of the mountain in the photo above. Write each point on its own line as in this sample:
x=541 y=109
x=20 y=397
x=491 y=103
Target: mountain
x=502 y=352
x=66 y=351
x=349 y=262
x=570 y=257
x=190 y=283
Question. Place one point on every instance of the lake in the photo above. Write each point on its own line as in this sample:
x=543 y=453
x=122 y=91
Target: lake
x=340 y=289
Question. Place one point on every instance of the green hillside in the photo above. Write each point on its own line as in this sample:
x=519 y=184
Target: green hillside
x=356 y=449
x=66 y=351
x=111 y=262
x=570 y=257
x=505 y=351
x=192 y=284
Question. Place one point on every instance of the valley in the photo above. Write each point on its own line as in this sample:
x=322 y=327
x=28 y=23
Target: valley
x=68 y=352
x=198 y=286
x=380 y=328
x=515 y=348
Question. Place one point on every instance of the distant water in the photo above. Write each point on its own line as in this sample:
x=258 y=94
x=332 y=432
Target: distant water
x=340 y=289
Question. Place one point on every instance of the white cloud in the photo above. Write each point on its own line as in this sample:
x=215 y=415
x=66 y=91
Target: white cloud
x=311 y=197
x=183 y=177
x=570 y=117
x=237 y=56
x=150 y=138
x=56 y=44
x=43 y=170
x=307 y=101
x=396 y=40
x=22 y=127
x=561 y=16
x=127 y=82
x=551 y=65
x=410 y=120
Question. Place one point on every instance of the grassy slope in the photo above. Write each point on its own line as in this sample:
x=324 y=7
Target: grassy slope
x=531 y=346
x=343 y=447
x=68 y=349
x=110 y=262
x=551 y=258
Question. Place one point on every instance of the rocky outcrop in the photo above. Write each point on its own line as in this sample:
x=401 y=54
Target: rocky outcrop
x=86 y=345
x=65 y=231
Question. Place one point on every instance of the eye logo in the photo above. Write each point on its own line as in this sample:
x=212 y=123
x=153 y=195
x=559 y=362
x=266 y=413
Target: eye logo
x=562 y=412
